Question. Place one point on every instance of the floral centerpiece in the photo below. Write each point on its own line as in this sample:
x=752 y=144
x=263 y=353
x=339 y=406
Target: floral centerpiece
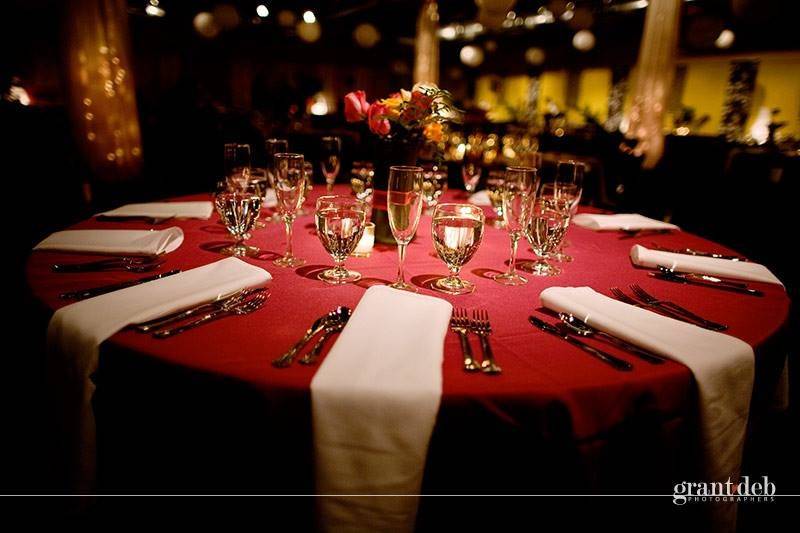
x=401 y=123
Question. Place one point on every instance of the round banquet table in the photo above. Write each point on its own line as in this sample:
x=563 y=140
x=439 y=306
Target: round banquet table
x=206 y=411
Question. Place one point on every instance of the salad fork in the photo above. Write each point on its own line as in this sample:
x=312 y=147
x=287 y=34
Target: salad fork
x=241 y=308
x=646 y=297
x=459 y=323
x=481 y=326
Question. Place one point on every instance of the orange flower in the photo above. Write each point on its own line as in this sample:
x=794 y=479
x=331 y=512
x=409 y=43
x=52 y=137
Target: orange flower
x=393 y=104
x=433 y=131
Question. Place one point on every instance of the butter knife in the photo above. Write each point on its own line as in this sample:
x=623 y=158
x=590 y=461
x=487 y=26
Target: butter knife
x=681 y=278
x=103 y=289
x=561 y=332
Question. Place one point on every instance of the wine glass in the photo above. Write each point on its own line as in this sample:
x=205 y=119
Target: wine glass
x=547 y=224
x=518 y=188
x=457 y=233
x=434 y=184
x=569 y=186
x=494 y=189
x=471 y=169
x=257 y=184
x=331 y=159
x=404 y=203
x=272 y=147
x=239 y=211
x=290 y=189
x=340 y=224
x=237 y=164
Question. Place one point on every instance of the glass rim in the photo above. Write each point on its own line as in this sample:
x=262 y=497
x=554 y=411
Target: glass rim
x=406 y=168
x=288 y=155
x=237 y=193
x=346 y=198
x=275 y=140
x=472 y=207
x=521 y=169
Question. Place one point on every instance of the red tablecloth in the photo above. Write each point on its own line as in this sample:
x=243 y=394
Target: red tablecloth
x=545 y=383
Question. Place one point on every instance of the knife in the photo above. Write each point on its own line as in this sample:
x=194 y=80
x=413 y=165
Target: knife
x=699 y=253
x=96 y=291
x=607 y=358
x=705 y=282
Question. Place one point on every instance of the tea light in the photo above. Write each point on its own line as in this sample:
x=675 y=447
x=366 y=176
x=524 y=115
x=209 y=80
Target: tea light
x=367 y=241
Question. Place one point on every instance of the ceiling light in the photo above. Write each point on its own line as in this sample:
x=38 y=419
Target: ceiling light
x=262 y=11
x=308 y=17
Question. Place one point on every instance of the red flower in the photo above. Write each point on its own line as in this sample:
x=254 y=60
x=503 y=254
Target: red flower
x=376 y=118
x=417 y=107
x=355 y=106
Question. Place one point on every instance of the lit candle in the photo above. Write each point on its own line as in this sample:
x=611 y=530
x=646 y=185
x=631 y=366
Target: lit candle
x=367 y=241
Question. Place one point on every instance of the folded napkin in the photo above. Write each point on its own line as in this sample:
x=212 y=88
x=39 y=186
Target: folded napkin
x=114 y=241
x=76 y=331
x=163 y=210
x=270 y=199
x=711 y=266
x=374 y=402
x=622 y=221
x=480 y=198
x=723 y=367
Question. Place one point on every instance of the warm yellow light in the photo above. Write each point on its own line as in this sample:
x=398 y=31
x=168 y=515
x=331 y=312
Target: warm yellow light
x=308 y=17
x=262 y=11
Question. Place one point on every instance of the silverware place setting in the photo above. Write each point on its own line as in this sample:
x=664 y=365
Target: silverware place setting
x=581 y=328
x=565 y=333
x=82 y=294
x=153 y=221
x=129 y=263
x=340 y=315
x=244 y=306
x=669 y=309
x=698 y=253
x=668 y=274
x=633 y=233
x=479 y=324
x=217 y=303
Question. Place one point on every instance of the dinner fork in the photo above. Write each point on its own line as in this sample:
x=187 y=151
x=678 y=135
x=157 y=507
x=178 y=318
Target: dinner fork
x=459 y=323
x=481 y=326
x=643 y=295
x=241 y=308
x=624 y=298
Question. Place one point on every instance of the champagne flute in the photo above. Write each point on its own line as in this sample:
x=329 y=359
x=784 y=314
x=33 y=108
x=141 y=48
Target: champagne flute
x=331 y=159
x=290 y=189
x=404 y=203
x=518 y=188
x=471 y=169
x=494 y=189
x=272 y=147
x=547 y=224
x=340 y=224
x=239 y=211
x=457 y=233
x=569 y=181
x=237 y=164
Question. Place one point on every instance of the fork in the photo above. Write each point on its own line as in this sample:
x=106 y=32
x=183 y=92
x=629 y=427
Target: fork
x=646 y=297
x=481 y=326
x=624 y=298
x=242 y=308
x=459 y=323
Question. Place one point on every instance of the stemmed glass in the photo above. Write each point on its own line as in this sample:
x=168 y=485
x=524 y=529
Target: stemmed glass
x=237 y=164
x=331 y=159
x=471 y=169
x=494 y=189
x=518 y=188
x=457 y=233
x=290 y=189
x=568 y=186
x=547 y=224
x=238 y=211
x=340 y=224
x=272 y=147
x=404 y=203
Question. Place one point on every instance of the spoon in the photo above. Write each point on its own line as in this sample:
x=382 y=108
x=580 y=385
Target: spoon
x=334 y=326
x=318 y=325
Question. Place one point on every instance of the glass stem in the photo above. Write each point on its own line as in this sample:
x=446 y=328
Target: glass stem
x=401 y=252
x=512 y=264
x=288 y=222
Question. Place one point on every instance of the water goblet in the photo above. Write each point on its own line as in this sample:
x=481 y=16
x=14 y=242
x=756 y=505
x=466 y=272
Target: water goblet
x=340 y=222
x=239 y=211
x=545 y=229
x=457 y=232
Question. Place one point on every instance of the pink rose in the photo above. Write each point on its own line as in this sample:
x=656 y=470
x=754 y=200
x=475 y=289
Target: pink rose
x=376 y=118
x=355 y=106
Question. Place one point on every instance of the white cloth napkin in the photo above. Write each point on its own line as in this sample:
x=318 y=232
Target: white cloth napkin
x=723 y=367
x=270 y=198
x=201 y=210
x=114 y=241
x=480 y=198
x=374 y=402
x=711 y=266
x=76 y=331
x=626 y=221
